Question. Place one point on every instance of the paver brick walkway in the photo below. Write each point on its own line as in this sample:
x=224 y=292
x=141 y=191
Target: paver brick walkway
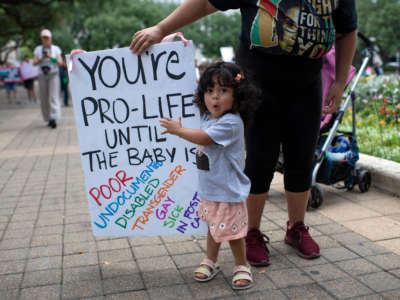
x=47 y=250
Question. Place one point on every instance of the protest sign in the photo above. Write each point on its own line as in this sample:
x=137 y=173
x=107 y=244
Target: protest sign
x=28 y=71
x=227 y=54
x=10 y=75
x=138 y=182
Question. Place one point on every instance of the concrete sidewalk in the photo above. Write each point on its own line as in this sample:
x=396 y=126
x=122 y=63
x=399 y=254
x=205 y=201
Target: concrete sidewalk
x=47 y=250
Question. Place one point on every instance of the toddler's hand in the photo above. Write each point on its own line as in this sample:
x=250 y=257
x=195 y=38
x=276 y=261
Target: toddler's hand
x=171 y=125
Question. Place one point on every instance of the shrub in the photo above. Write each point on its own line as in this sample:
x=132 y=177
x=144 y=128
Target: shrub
x=378 y=116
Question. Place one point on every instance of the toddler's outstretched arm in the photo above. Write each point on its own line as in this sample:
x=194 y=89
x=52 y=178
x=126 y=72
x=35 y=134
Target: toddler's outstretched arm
x=196 y=136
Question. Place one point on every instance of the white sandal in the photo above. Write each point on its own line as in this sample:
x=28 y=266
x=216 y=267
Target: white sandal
x=241 y=272
x=210 y=273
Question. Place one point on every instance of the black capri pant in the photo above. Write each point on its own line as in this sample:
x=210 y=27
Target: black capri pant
x=290 y=116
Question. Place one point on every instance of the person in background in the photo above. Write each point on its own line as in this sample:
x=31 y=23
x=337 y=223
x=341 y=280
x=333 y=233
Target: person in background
x=11 y=88
x=29 y=84
x=377 y=62
x=64 y=82
x=48 y=58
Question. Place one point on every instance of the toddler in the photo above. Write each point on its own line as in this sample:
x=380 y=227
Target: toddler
x=226 y=100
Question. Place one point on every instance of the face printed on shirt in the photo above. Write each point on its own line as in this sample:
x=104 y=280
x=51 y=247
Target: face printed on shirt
x=290 y=29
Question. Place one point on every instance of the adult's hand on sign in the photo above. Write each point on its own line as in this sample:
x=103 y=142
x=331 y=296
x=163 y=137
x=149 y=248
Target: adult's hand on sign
x=334 y=98
x=143 y=39
x=171 y=125
x=71 y=59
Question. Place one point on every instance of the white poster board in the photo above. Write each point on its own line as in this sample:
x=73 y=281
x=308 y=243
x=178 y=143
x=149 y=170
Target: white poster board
x=138 y=182
x=227 y=54
x=28 y=70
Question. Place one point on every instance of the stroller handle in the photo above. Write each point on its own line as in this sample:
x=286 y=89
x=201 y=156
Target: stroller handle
x=365 y=39
x=370 y=45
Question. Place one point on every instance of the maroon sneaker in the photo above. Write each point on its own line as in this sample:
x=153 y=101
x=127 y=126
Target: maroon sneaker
x=256 y=248
x=299 y=238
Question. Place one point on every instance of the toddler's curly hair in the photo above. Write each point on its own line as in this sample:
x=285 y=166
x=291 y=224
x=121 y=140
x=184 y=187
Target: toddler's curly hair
x=246 y=96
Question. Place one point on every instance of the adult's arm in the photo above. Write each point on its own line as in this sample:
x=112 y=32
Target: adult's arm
x=189 y=12
x=345 y=46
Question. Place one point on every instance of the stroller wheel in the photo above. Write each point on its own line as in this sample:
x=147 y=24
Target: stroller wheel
x=364 y=181
x=316 y=197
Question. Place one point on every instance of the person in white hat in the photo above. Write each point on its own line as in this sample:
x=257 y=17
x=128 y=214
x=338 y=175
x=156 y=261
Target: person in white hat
x=48 y=57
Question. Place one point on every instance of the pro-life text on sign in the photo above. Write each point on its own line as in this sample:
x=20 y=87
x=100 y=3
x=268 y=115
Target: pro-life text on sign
x=138 y=182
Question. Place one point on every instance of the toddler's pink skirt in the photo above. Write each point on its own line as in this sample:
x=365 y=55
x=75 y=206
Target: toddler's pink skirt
x=226 y=221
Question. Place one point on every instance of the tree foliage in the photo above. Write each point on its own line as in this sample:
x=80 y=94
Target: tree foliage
x=23 y=19
x=105 y=24
x=101 y=24
x=114 y=25
x=215 y=31
x=380 y=19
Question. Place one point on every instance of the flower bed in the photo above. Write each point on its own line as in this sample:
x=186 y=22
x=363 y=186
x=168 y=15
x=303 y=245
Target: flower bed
x=378 y=116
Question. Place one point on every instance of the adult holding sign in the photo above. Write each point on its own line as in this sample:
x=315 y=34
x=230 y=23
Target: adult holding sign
x=29 y=73
x=10 y=75
x=281 y=45
x=48 y=57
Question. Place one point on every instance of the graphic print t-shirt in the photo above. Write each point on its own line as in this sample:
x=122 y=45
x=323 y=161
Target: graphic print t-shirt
x=293 y=27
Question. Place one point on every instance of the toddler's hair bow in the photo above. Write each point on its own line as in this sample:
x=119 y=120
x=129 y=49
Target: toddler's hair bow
x=239 y=77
